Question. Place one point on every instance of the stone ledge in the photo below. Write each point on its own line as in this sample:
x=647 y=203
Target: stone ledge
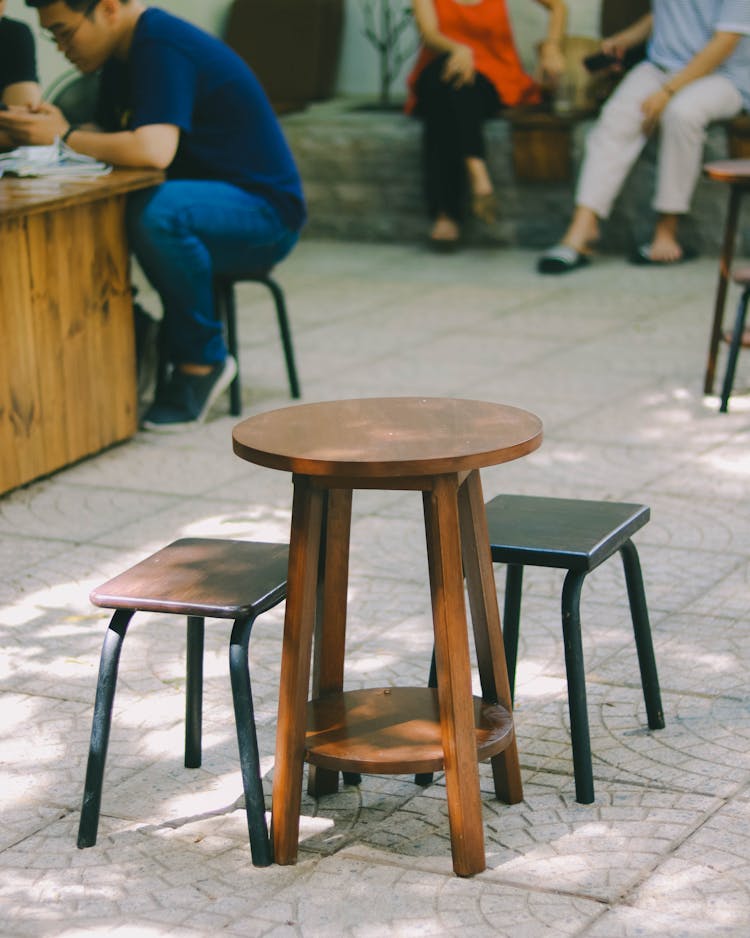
x=362 y=180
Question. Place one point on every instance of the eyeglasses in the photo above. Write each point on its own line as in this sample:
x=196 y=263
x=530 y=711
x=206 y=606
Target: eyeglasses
x=63 y=38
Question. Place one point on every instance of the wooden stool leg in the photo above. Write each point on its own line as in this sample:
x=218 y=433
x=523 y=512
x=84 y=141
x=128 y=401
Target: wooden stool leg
x=194 y=691
x=330 y=621
x=725 y=266
x=454 y=676
x=299 y=622
x=247 y=741
x=579 y=719
x=488 y=636
x=512 y=620
x=734 y=351
x=642 y=630
x=105 y=695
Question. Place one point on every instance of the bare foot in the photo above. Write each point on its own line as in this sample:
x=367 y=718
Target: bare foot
x=444 y=229
x=664 y=247
x=583 y=230
x=479 y=176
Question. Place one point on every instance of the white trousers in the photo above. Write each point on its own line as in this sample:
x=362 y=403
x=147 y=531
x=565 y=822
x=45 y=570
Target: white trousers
x=616 y=140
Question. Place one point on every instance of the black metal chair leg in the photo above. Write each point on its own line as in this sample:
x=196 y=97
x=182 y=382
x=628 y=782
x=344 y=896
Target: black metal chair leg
x=425 y=778
x=511 y=620
x=579 y=720
x=642 y=630
x=194 y=691
x=734 y=350
x=286 y=335
x=255 y=806
x=226 y=309
x=100 y=727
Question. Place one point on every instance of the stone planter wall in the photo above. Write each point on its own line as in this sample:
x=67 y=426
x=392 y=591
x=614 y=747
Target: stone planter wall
x=362 y=180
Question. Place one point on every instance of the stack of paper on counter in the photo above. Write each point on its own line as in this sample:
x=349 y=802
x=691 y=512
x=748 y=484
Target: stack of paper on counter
x=57 y=159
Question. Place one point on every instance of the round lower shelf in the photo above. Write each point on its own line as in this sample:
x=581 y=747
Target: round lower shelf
x=392 y=731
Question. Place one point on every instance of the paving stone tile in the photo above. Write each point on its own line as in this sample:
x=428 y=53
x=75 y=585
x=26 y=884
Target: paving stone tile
x=600 y=471
x=706 y=878
x=624 y=922
x=251 y=520
x=549 y=842
x=53 y=510
x=703 y=747
x=612 y=361
x=181 y=470
x=414 y=902
x=148 y=875
x=699 y=654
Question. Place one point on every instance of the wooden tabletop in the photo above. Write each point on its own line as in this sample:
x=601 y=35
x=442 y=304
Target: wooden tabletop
x=31 y=195
x=731 y=171
x=387 y=437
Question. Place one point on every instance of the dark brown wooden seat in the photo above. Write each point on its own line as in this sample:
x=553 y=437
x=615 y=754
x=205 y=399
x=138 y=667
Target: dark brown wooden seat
x=194 y=577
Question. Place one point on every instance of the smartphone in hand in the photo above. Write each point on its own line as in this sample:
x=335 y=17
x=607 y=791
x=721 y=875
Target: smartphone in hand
x=599 y=61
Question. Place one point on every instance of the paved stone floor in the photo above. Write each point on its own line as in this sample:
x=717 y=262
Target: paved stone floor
x=611 y=358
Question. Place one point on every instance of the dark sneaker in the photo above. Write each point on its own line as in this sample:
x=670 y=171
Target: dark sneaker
x=187 y=399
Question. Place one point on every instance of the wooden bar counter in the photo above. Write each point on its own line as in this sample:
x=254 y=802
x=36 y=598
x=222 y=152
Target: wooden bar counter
x=67 y=356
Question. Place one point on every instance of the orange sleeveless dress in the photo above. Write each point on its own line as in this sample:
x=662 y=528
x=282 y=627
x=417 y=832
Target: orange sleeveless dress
x=485 y=26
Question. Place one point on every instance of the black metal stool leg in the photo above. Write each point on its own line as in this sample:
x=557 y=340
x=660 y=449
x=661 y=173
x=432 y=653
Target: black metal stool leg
x=579 y=719
x=642 y=630
x=425 y=778
x=194 y=691
x=255 y=806
x=511 y=620
x=226 y=309
x=105 y=695
x=286 y=335
x=734 y=350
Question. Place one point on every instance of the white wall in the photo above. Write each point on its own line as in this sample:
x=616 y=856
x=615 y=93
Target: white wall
x=358 y=71
x=209 y=14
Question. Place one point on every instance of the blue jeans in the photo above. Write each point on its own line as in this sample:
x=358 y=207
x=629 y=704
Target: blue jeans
x=186 y=232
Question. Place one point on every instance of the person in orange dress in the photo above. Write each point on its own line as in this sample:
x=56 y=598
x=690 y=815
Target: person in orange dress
x=467 y=68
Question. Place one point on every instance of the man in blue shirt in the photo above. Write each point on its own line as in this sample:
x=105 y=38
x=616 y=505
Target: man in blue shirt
x=174 y=98
x=697 y=71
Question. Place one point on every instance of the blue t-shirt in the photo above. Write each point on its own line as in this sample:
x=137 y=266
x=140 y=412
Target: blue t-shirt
x=177 y=74
x=683 y=27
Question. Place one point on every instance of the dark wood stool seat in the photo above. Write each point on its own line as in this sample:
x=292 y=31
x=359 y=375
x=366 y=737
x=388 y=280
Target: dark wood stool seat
x=737 y=338
x=577 y=536
x=194 y=577
x=226 y=308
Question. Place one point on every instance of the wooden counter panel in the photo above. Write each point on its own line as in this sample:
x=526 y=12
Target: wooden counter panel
x=67 y=384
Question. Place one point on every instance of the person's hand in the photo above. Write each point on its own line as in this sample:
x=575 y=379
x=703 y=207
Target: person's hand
x=551 y=64
x=652 y=108
x=613 y=46
x=459 y=67
x=28 y=127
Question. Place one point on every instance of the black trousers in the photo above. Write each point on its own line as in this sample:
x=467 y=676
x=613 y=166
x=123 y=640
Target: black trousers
x=452 y=119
